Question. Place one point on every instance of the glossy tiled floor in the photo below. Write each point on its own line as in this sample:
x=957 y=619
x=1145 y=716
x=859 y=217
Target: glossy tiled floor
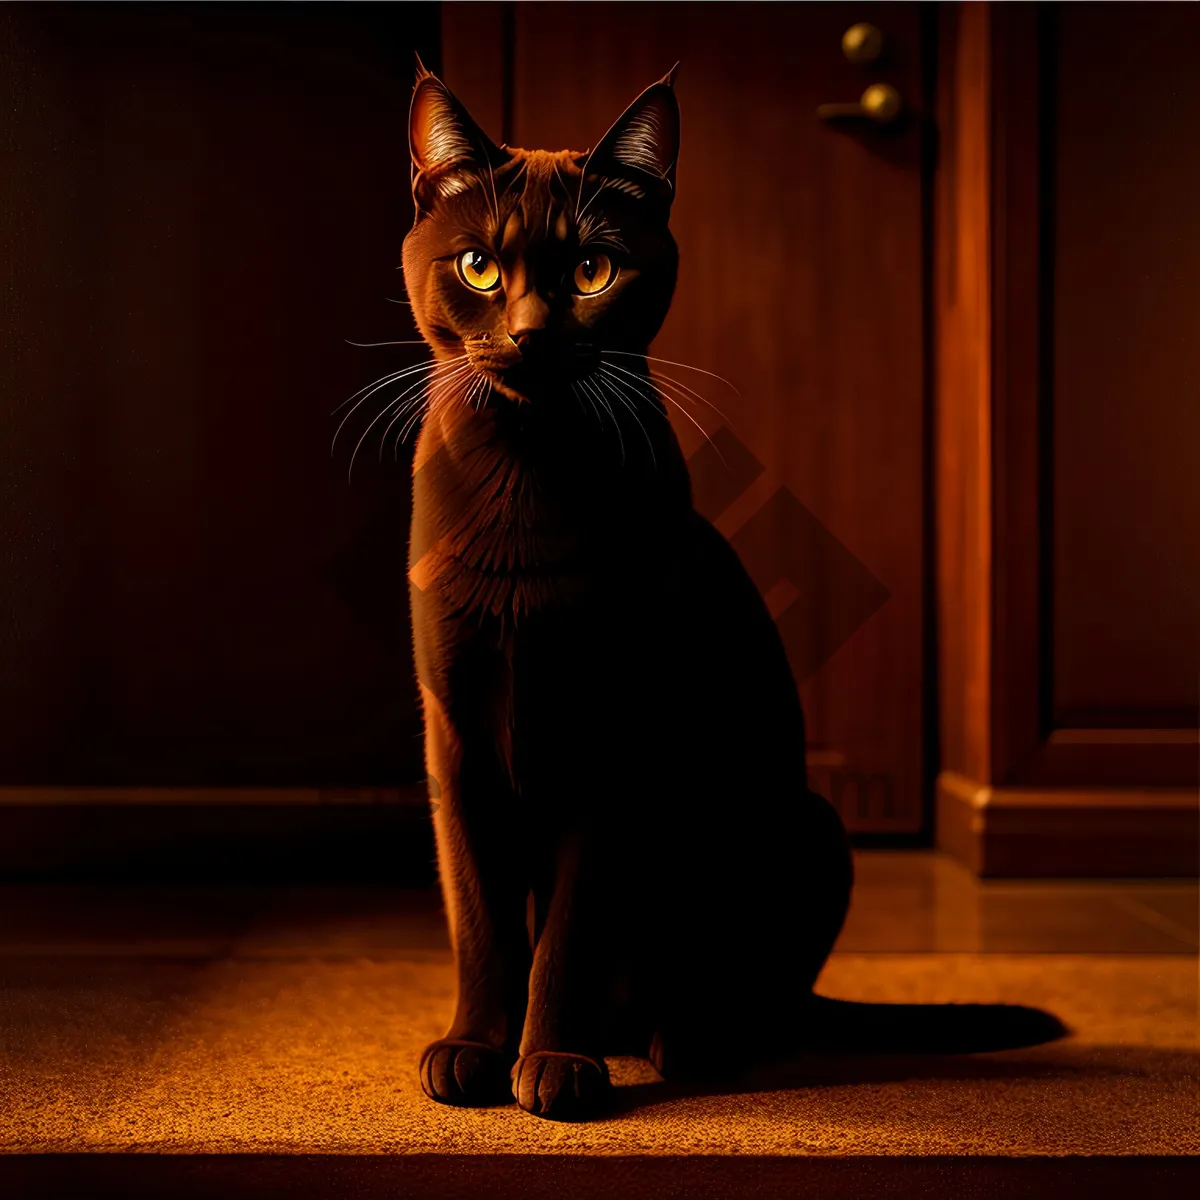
x=921 y=902
x=904 y=902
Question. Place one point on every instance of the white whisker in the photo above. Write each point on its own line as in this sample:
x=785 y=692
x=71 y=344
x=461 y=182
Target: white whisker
x=680 y=388
x=589 y=386
x=671 y=400
x=431 y=368
x=580 y=396
x=689 y=394
x=426 y=390
x=612 y=383
x=383 y=382
x=476 y=387
x=368 y=345
x=440 y=391
x=484 y=392
x=671 y=363
x=606 y=370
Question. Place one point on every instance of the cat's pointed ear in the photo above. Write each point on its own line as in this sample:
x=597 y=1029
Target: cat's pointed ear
x=638 y=154
x=446 y=146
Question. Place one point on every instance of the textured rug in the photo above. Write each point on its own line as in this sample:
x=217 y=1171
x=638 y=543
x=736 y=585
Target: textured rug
x=290 y=1056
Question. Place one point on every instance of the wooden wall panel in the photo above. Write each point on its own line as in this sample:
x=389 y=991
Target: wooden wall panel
x=200 y=204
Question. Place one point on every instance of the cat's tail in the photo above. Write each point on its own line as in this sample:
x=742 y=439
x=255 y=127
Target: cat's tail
x=849 y=1026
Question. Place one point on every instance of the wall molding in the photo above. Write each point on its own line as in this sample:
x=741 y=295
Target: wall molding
x=1025 y=831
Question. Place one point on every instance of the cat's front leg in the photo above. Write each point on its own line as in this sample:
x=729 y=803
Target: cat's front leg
x=561 y=1072
x=484 y=887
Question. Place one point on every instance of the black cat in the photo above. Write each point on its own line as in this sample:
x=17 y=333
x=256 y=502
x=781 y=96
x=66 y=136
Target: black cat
x=610 y=718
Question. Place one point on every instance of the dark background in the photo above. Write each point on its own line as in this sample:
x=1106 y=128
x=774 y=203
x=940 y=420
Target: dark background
x=201 y=203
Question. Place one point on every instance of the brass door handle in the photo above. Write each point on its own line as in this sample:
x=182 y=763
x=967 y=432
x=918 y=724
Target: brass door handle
x=880 y=105
x=862 y=43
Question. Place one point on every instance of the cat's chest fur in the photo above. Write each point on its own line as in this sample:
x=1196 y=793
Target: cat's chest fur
x=512 y=530
x=489 y=538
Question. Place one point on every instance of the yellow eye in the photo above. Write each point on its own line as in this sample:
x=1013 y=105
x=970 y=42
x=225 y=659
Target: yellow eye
x=594 y=274
x=478 y=270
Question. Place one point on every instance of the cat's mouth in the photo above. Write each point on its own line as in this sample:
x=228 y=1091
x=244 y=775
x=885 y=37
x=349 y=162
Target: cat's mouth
x=540 y=377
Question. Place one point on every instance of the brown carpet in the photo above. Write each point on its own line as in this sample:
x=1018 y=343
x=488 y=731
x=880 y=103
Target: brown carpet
x=315 y=1057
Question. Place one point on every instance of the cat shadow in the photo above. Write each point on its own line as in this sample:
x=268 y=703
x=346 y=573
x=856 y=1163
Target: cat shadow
x=1094 y=1064
x=970 y=1047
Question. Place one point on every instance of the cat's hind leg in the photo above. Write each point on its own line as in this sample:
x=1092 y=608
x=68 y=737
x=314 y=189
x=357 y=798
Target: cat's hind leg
x=743 y=944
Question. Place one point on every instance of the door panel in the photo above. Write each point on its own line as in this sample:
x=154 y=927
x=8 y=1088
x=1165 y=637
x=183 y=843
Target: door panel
x=801 y=281
x=1126 y=398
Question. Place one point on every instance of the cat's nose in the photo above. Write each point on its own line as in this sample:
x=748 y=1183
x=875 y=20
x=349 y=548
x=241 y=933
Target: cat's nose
x=529 y=341
x=527 y=321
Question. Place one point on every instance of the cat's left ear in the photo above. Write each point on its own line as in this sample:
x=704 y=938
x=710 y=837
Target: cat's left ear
x=446 y=146
x=638 y=154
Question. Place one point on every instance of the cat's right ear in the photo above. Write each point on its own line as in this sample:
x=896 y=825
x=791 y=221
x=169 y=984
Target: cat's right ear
x=638 y=154
x=447 y=148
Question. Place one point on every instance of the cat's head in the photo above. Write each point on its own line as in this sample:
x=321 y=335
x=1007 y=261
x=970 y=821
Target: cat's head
x=531 y=263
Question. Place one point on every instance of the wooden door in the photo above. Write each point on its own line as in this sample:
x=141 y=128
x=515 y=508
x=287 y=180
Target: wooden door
x=802 y=282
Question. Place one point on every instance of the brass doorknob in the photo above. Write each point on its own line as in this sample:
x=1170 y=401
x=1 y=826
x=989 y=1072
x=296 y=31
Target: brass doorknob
x=862 y=43
x=880 y=104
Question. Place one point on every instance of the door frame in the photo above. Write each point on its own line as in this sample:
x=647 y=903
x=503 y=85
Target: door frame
x=1017 y=795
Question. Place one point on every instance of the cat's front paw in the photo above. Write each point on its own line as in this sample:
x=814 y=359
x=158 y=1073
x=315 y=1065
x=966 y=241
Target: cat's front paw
x=467 y=1074
x=560 y=1087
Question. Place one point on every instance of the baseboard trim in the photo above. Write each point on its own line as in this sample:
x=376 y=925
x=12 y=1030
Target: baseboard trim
x=72 y=796
x=218 y=835
x=1027 y=832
